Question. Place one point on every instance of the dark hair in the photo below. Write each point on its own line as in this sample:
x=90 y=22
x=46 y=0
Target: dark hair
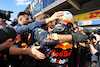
x=22 y=13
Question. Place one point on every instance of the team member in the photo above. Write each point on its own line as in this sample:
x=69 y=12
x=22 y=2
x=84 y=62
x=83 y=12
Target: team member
x=96 y=50
x=57 y=51
x=23 y=28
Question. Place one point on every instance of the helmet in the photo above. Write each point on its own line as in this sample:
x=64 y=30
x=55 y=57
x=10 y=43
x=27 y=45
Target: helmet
x=64 y=24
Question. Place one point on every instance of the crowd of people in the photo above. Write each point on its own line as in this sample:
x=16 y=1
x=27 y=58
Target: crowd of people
x=55 y=41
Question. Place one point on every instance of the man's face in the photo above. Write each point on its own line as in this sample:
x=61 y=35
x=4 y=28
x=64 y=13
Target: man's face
x=25 y=19
x=80 y=29
x=48 y=27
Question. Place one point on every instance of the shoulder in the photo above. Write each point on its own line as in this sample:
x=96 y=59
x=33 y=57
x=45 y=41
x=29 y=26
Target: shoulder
x=39 y=30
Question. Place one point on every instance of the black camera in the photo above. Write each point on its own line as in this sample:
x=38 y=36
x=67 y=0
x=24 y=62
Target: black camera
x=96 y=31
x=91 y=36
x=14 y=22
x=6 y=33
x=5 y=14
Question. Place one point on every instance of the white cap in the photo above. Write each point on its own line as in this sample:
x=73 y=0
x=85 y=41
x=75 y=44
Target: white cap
x=68 y=14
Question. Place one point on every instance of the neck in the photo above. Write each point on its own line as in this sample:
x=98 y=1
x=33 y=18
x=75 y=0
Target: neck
x=20 y=23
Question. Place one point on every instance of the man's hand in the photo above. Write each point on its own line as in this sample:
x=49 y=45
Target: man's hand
x=79 y=37
x=8 y=43
x=35 y=53
x=97 y=37
x=92 y=49
x=55 y=16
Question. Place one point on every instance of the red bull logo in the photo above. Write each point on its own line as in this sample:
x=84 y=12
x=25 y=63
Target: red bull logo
x=24 y=45
x=52 y=36
x=64 y=46
x=61 y=54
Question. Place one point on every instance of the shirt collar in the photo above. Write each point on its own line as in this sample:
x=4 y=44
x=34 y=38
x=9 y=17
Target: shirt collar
x=18 y=24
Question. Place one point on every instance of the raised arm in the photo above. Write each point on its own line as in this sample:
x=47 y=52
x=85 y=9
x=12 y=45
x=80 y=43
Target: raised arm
x=35 y=24
x=33 y=52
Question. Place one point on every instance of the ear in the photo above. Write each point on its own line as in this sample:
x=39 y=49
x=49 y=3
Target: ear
x=20 y=19
x=19 y=37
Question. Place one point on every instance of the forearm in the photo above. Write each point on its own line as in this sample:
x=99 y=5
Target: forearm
x=30 y=27
x=92 y=49
x=52 y=38
x=2 y=47
x=64 y=38
x=48 y=20
x=33 y=52
x=17 y=51
x=35 y=24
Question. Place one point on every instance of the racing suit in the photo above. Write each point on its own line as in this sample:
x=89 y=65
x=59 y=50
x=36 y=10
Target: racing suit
x=56 y=54
x=25 y=32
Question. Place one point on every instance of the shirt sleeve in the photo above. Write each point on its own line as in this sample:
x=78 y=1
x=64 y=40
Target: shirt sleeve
x=94 y=58
x=25 y=28
x=44 y=37
x=15 y=45
x=5 y=51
